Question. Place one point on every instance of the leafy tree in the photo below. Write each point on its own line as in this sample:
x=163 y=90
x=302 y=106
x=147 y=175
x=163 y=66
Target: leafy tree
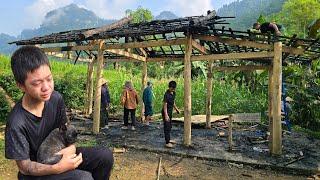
x=261 y=19
x=296 y=15
x=140 y=15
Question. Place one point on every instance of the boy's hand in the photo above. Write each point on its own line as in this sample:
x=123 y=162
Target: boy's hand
x=68 y=162
x=167 y=118
x=70 y=150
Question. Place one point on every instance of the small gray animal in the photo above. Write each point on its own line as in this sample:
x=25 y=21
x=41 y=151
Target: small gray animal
x=58 y=139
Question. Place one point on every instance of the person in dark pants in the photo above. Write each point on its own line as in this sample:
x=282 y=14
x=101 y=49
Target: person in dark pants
x=167 y=110
x=147 y=100
x=105 y=105
x=35 y=115
x=268 y=27
x=129 y=101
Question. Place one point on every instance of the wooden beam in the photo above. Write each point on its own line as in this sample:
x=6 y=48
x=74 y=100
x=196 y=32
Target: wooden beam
x=118 y=46
x=241 y=68
x=215 y=57
x=108 y=27
x=97 y=94
x=276 y=147
x=127 y=54
x=145 y=44
x=187 y=92
x=199 y=48
x=247 y=43
x=209 y=95
x=233 y=56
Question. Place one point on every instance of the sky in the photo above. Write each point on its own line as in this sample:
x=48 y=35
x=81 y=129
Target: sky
x=16 y=15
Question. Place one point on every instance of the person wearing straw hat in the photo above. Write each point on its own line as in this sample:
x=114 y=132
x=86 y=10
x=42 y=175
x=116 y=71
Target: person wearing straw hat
x=129 y=101
x=105 y=105
x=147 y=100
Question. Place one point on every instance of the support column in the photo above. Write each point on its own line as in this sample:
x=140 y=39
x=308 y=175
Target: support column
x=276 y=133
x=69 y=52
x=143 y=85
x=187 y=92
x=89 y=87
x=209 y=95
x=97 y=93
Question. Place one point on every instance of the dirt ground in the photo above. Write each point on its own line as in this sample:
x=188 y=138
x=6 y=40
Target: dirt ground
x=137 y=164
x=144 y=165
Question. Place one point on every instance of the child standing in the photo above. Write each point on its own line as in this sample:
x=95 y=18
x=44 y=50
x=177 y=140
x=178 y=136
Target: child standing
x=167 y=110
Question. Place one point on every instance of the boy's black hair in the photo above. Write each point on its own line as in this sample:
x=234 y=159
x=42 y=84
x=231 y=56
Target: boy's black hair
x=172 y=84
x=26 y=59
x=255 y=24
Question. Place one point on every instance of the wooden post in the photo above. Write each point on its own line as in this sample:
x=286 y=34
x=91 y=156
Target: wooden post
x=97 y=93
x=69 y=52
x=276 y=133
x=270 y=86
x=187 y=92
x=89 y=87
x=143 y=85
x=209 y=95
x=230 y=132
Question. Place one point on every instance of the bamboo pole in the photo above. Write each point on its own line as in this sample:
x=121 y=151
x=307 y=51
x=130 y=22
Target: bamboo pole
x=276 y=100
x=143 y=85
x=90 y=86
x=187 y=92
x=209 y=95
x=97 y=94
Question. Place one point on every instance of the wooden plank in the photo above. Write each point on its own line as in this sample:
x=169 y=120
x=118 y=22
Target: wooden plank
x=230 y=132
x=145 y=44
x=127 y=54
x=233 y=56
x=201 y=119
x=108 y=27
x=247 y=43
x=187 y=92
x=241 y=68
x=247 y=117
x=199 y=48
x=216 y=57
x=276 y=100
x=209 y=95
x=97 y=94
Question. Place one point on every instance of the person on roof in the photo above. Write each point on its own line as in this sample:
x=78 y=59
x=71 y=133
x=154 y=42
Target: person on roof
x=268 y=27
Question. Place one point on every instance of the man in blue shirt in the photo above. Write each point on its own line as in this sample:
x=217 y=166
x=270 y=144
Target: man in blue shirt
x=147 y=100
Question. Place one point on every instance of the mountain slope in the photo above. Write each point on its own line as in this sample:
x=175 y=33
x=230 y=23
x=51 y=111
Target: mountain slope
x=247 y=11
x=66 y=18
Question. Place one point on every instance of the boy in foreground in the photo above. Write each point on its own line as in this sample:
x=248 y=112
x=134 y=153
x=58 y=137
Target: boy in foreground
x=40 y=110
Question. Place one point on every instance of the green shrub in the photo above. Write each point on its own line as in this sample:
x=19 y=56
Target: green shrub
x=4 y=108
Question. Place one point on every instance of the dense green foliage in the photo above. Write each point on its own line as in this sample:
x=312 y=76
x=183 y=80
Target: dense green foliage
x=297 y=15
x=70 y=82
x=140 y=15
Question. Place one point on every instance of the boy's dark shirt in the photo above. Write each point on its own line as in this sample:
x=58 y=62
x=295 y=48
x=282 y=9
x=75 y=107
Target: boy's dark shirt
x=105 y=97
x=265 y=28
x=169 y=99
x=25 y=132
